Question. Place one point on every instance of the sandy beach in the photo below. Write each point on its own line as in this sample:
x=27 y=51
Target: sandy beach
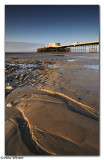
x=52 y=104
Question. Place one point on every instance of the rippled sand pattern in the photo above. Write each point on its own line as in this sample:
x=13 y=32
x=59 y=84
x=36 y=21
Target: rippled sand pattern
x=52 y=111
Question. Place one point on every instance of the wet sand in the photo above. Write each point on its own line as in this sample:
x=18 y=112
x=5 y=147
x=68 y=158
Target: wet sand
x=52 y=104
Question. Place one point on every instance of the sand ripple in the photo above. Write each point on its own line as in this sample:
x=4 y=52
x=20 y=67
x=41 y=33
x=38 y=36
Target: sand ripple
x=58 y=124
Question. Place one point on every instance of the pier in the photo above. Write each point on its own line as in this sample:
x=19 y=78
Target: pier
x=90 y=46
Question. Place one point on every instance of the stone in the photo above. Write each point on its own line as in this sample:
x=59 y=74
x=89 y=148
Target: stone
x=9 y=104
x=9 y=87
x=17 y=77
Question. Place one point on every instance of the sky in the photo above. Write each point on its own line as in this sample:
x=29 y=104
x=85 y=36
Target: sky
x=28 y=27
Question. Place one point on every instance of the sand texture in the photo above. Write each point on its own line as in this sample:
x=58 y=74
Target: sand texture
x=52 y=105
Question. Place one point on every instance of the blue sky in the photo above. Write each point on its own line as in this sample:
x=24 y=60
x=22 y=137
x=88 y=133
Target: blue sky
x=36 y=25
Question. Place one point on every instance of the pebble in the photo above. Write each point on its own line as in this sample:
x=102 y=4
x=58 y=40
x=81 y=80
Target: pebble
x=9 y=87
x=9 y=104
x=21 y=79
x=79 y=98
x=17 y=77
x=22 y=75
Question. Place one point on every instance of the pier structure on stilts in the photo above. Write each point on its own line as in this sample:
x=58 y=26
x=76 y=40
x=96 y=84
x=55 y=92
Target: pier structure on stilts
x=76 y=46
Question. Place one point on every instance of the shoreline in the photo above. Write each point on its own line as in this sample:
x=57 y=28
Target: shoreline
x=50 y=52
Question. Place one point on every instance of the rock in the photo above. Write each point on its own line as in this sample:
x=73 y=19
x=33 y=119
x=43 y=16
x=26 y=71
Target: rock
x=9 y=72
x=22 y=75
x=21 y=79
x=9 y=87
x=9 y=104
x=17 y=77
x=37 y=62
x=79 y=98
x=11 y=77
x=30 y=70
x=41 y=67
